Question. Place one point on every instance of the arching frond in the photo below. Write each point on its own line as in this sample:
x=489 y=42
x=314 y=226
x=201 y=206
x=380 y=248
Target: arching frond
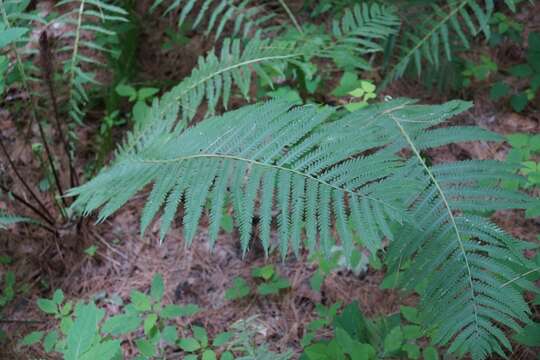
x=450 y=25
x=215 y=74
x=245 y=16
x=460 y=260
x=306 y=169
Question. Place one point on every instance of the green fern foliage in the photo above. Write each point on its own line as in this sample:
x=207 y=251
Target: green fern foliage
x=438 y=35
x=245 y=16
x=297 y=164
x=359 y=31
x=361 y=27
x=215 y=74
x=462 y=264
x=85 y=21
x=305 y=171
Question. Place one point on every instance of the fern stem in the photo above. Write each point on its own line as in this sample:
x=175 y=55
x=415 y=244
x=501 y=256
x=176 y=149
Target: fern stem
x=291 y=16
x=21 y=199
x=277 y=167
x=450 y=214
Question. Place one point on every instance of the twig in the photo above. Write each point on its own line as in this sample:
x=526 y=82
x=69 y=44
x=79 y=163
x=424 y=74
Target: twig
x=115 y=250
x=10 y=321
x=45 y=215
x=20 y=199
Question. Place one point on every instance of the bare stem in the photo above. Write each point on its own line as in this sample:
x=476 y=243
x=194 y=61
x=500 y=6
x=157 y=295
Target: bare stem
x=48 y=216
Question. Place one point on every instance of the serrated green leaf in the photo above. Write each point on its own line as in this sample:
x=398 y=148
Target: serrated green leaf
x=140 y=301
x=32 y=338
x=393 y=341
x=201 y=335
x=430 y=353
x=222 y=338
x=157 y=288
x=209 y=355
x=146 y=347
x=50 y=341
x=189 y=344
x=122 y=324
x=47 y=306
x=126 y=91
x=172 y=311
x=149 y=323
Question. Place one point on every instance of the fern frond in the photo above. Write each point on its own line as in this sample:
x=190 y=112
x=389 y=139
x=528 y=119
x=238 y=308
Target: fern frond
x=297 y=163
x=459 y=19
x=460 y=260
x=360 y=30
x=245 y=16
x=87 y=18
x=215 y=75
x=361 y=26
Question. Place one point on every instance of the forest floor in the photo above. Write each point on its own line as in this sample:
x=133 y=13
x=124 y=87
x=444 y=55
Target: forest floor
x=199 y=275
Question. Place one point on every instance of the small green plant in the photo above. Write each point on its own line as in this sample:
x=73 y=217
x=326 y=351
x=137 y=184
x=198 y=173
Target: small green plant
x=504 y=27
x=82 y=333
x=239 y=289
x=522 y=96
x=270 y=283
x=356 y=337
x=325 y=318
x=478 y=71
x=140 y=98
x=358 y=90
x=198 y=346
